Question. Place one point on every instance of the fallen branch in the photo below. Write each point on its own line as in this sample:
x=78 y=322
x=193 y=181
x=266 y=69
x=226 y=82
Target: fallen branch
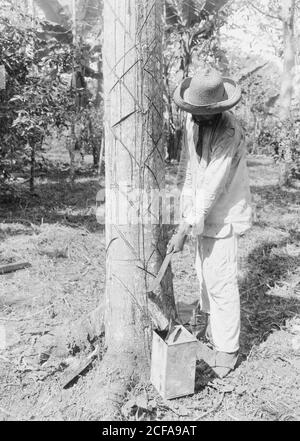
x=79 y=334
x=11 y=267
x=71 y=374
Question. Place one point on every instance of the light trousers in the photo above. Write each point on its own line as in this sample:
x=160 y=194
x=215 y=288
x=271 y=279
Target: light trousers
x=216 y=266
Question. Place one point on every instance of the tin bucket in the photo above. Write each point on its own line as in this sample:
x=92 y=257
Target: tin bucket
x=173 y=363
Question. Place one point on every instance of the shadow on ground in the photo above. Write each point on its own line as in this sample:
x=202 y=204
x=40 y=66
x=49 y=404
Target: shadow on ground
x=275 y=195
x=55 y=200
x=262 y=313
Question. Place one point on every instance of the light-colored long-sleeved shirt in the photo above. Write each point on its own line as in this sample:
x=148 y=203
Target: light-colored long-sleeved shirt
x=215 y=195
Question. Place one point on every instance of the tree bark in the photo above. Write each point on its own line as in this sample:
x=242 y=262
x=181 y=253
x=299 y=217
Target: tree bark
x=134 y=167
x=134 y=159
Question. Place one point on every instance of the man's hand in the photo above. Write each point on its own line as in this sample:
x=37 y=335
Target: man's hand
x=177 y=242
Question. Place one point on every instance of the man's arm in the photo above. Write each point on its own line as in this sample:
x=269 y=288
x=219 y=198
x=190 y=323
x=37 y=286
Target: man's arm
x=184 y=177
x=215 y=179
x=184 y=184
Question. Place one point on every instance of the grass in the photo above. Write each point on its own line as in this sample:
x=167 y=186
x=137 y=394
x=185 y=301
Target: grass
x=57 y=232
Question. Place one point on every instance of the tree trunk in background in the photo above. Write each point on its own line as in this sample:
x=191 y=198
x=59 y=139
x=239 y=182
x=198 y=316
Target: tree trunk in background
x=32 y=166
x=70 y=145
x=286 y=90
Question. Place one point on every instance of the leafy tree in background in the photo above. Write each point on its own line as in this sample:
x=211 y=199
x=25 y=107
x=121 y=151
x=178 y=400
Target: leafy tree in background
x=36 y=55
x=35 y=96
x=83 y=20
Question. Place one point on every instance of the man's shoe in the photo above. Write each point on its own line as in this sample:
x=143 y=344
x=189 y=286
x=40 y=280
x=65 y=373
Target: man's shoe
x=223 y=363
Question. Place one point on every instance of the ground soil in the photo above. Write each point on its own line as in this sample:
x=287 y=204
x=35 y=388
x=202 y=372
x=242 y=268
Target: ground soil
x=57 y=232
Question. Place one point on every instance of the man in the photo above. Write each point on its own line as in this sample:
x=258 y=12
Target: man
x=215 y=204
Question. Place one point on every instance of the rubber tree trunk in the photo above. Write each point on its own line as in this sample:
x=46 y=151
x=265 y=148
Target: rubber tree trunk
x=286 y=90
x=134 y=160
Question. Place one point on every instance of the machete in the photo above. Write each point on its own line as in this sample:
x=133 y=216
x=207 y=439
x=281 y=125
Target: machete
x=156 y=282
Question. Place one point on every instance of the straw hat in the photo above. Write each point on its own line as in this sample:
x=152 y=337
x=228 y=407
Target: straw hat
x=207 y=93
